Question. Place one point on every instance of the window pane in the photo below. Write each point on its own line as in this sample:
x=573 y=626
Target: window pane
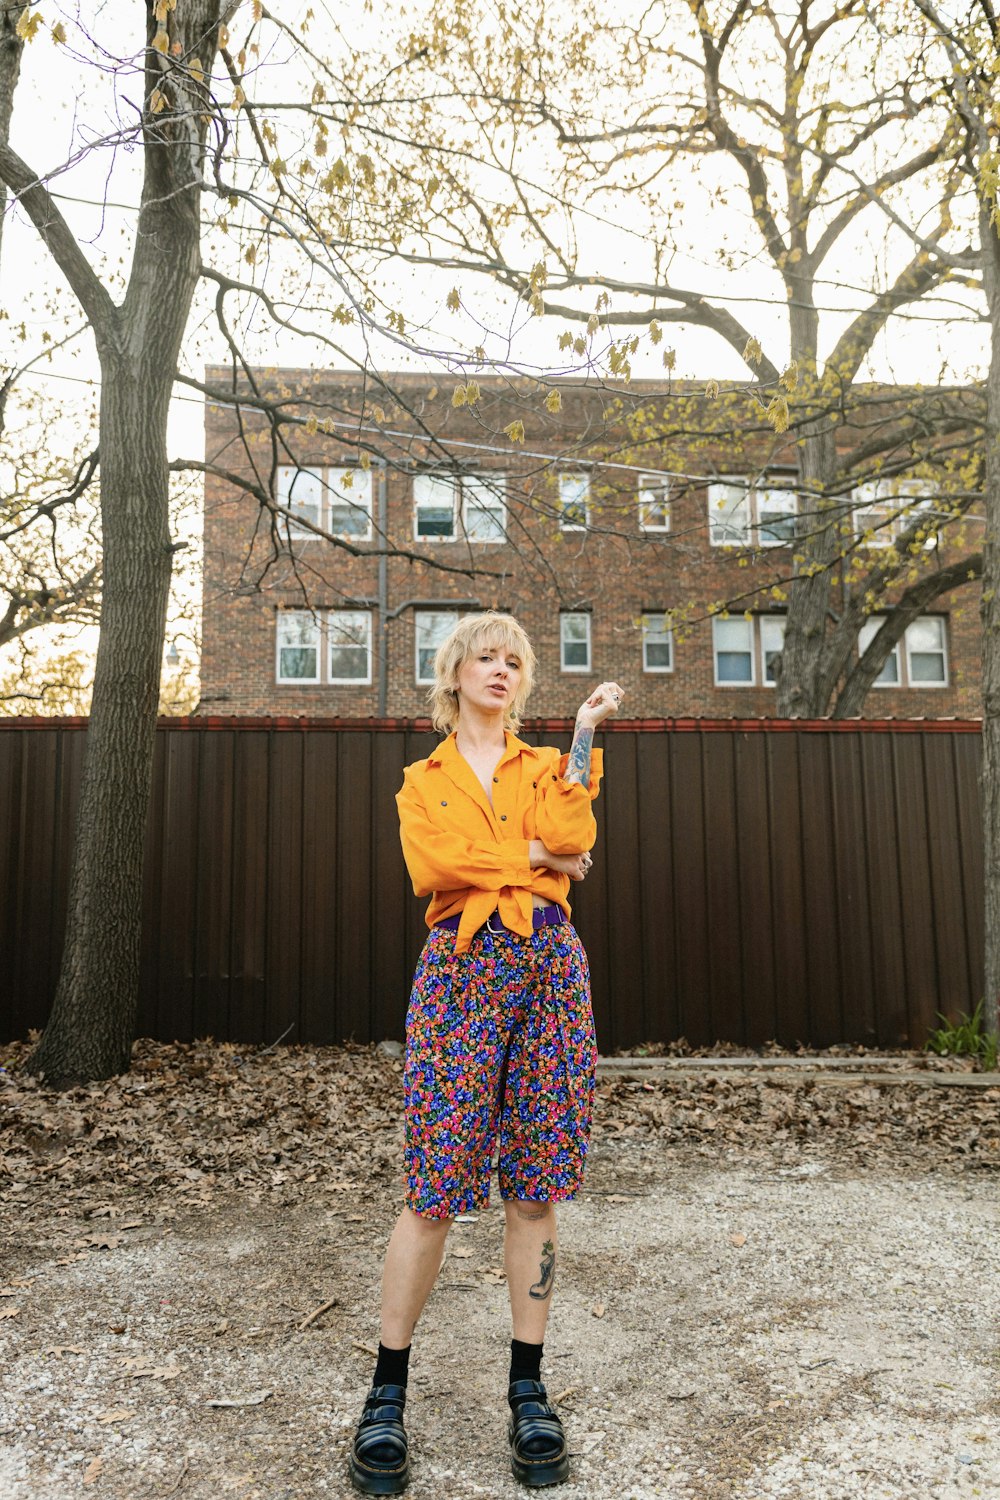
x=772 y=641
x=728 y=514
x=733 y=645
x=432 y=628
x=574 y=490
x=302 y=491
x=350 y=502
x=349 y=636
x=298 y=646
x=925 y=649
x=434 y=495
x=889 y=675
x=657 y=645
x=654 y=502
x=483 y=509
x=776 y=510
x=574 y=630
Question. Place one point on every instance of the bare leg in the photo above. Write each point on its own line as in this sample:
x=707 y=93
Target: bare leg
x=412 y=1262
x=530 y=1246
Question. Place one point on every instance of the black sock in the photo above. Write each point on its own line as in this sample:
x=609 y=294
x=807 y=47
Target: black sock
x=525 y=1360
x=393 y=1366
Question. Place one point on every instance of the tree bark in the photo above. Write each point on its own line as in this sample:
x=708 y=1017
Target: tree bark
x=990 y=615
x=11 y=46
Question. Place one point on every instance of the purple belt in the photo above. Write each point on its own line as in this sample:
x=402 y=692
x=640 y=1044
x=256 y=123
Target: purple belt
x=541 y=916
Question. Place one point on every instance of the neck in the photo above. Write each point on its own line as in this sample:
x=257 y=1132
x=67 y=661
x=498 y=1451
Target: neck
x=478 y=730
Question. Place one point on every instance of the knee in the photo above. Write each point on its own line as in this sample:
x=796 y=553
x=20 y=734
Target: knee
x=427 y=1226
x=525 y=1211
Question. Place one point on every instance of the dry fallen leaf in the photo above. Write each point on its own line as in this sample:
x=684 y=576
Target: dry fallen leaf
x=739 y=1240
x=65 y=1349
x=10 y=1312
x=598 y=1310
x=462 y=1253
x=117 y=1414
x=93 y=1470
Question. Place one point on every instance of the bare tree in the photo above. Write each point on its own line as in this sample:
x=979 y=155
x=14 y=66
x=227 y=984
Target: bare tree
x=517 y=143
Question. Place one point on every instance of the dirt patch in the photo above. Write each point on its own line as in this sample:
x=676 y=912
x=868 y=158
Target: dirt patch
x=765 y=1290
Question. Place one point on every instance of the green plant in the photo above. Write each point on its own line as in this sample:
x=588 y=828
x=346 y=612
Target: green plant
x=966 y=1037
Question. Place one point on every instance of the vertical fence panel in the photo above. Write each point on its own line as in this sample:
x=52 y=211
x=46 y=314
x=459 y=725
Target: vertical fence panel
x=811 y=883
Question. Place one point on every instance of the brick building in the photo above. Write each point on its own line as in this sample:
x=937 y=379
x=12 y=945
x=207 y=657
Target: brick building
x=612 y=511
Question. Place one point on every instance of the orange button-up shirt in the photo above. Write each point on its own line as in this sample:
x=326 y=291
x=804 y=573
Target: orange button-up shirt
x=472 y=858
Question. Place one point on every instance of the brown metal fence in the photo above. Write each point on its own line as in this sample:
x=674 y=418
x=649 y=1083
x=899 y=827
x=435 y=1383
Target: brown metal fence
x=814 y=883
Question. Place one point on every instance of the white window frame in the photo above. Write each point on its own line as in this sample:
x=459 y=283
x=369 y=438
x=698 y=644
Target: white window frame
x=358 y=496
x=650 y=627
x=903 y=658
x=495 y=490
x=286 y=476
x=565 y=616
x=284 y=615
x=939 y=621
x=654 y=498
x=763 y=633
x=452 y=616
x=891 y=505
x=426 y=479
x=748 y=511
x=739 y=682
x=358 y=615
x=575 y=478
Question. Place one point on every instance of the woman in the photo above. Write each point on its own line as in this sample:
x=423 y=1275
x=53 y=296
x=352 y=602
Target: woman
x=499 y=1033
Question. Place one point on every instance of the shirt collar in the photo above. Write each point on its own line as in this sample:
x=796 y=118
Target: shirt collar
x=448 y=751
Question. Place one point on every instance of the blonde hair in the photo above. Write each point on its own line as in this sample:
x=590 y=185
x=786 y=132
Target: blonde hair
x=469 y=636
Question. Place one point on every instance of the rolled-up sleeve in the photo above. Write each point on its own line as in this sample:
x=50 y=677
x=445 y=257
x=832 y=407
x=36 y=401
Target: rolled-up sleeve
x=564 y=818
x=440 y=860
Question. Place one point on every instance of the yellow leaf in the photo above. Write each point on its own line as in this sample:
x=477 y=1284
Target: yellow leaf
x=453 y=301
x=537 y=304
x=28 y=24
x=365 y=461
x=459 y=396
x=433 y=183
x=250 y=255
x=347 y=480
x=472 y=392
x=223 y=35
x=553 y=401
x=515 y=431
x=238 y=99
x=539 y=276
x=579 y=346
x=160 y=42
x=158 y=102
x=669 y=358
x=378 y=415
x=777 y=413
x=59 y=32
x=655 y=332
x=278 y=166
x=593 y=323
x=712 y=390
x=753 y=353
x=789 y=378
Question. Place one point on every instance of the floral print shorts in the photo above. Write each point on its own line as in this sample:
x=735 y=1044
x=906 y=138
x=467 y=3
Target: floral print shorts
x=500 y=1052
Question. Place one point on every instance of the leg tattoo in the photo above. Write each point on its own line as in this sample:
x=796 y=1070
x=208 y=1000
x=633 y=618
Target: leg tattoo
x=543 y=1286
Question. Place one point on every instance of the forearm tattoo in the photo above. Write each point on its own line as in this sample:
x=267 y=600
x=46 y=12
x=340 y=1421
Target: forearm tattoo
x=579 y=756
x=543 y=1286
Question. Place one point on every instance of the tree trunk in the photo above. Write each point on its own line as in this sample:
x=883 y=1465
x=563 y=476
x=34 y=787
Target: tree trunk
x=91 y=1027
x=10 y=68
x=990 y=614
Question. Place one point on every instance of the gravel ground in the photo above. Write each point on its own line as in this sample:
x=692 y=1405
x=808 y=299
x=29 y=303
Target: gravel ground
x=782 y=1311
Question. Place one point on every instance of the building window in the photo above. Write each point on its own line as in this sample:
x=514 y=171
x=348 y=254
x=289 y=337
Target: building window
x=923 y=659
x=654 y=502
x=484 y=511
x=432 y=627
x=574 y=501
x=330 y=646
x=574 y=642
x=301 y=490
x=657 y=644
x=746 y=651
x=740 y=514
x=350 y=500
x=349 y=645
x=434 y=507
x=336 y=500
x=298 y=638
x=885 y=508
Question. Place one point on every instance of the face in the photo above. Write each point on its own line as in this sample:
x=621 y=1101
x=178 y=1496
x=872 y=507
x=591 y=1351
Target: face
x=489 y=679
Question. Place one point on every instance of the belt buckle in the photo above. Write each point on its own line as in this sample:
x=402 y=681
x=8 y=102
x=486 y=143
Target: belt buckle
x=496 y=931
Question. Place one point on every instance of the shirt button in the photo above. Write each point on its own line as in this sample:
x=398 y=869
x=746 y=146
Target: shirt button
x=503 y=817
x=444 y=804
x=555 y=778
x=534 y=783
x=496 y=778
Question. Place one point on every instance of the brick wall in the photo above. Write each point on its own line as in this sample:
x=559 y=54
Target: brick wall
x=614 y=571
